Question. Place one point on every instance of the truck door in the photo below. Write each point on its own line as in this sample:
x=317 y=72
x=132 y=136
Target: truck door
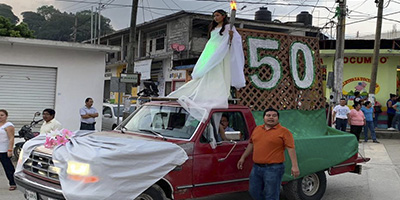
x=214 y=167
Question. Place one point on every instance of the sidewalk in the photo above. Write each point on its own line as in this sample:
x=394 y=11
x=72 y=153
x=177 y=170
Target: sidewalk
x=380 y=134
x=380 y=177
x=385 y=134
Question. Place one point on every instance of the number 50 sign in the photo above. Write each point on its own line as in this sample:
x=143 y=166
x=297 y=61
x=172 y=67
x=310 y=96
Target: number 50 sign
x=281 y=71
x=255 y=61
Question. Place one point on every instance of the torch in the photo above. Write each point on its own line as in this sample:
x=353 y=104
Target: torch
x=232 y=19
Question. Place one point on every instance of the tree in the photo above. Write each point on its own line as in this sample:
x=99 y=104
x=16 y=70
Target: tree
x=49 y=23
x=34 y=20
x=6 y=11
x=12 y=30
x=48 y=11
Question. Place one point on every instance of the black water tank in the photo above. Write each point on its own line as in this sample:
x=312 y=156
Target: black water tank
x=263 y=14
x=305 y=18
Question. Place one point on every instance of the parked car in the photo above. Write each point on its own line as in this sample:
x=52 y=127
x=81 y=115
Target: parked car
x=110 y=112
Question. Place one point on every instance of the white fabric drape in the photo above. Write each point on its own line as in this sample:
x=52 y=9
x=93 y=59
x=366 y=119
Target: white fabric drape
x=125 y=167
x=219 y=66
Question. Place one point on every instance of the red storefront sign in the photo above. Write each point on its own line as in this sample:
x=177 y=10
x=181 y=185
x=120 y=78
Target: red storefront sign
x=363 y=60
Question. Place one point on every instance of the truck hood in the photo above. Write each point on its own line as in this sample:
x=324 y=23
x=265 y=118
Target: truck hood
x=185 y=145
x=86 y=165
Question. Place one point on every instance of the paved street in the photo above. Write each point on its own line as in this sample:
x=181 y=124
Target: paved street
x=380 y=178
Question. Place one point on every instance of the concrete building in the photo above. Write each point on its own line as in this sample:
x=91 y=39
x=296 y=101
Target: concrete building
x=358 y=66
x=38 y=74
x=173 y=44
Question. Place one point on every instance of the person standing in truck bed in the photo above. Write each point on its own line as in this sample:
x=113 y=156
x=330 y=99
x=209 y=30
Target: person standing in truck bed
x=268 y=143
x=219 y=67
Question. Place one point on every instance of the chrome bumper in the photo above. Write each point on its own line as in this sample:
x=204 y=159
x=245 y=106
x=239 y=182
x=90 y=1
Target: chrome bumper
x=39 y=186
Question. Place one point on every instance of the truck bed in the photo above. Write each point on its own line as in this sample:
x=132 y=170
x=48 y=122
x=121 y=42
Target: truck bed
x=318 y=146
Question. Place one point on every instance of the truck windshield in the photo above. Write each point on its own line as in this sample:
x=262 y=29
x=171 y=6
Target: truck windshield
x=167 y=121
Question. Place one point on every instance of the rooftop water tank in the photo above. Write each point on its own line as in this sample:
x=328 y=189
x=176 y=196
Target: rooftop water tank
x=305 y=18
x=263 y=14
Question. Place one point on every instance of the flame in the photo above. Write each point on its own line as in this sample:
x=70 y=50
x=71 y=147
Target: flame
x=233 y=5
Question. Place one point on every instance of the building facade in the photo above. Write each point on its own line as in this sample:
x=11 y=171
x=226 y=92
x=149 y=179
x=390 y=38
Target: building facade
x=38 y=74
x=173 y=44
x=358 y=66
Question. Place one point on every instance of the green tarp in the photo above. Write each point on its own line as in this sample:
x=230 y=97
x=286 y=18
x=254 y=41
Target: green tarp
x=318 y=146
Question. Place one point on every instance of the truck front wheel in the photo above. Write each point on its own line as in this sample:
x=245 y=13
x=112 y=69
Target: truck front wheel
x=310 y=187
x=154 y=192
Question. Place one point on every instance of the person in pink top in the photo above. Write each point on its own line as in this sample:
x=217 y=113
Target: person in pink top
x=356 y=120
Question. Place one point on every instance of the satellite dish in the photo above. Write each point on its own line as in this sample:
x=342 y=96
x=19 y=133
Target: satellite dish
x=178 y=47
x=181 y=47
x=175 y=46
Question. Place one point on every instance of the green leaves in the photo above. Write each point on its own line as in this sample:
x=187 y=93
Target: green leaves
x=11 y=30
x=6 y=11
x=52 y=24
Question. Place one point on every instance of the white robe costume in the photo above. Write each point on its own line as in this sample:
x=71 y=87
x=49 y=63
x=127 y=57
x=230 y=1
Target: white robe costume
x=219 y=66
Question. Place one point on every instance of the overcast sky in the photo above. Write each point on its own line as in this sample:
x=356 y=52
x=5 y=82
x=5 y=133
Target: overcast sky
x=119 y=11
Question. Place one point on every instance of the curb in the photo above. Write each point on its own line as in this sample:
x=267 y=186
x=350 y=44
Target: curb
x=385 y=134
x=381 y=134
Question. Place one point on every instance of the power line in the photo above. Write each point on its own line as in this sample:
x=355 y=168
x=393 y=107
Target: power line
x=363 y=20
x=314 y=7
x=393 y=20
x=387 y=5
x=177 y=4
x=273 y=3
x=360 y=5
x=253 y=5
x=290 y=11
x=70 y=6
x=148 y=4
x=218 y=1
x=395 y=2
x=144 y=16
x=367 y=14
x=166 y=5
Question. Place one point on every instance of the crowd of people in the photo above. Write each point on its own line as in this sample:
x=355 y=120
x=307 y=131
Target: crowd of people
x=365 y=114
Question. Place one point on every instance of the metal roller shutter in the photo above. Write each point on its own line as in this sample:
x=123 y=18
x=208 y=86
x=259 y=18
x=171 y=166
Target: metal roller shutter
x=25 y=90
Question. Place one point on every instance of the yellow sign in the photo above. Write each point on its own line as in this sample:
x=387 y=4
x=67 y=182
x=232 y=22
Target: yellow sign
x=358 y=84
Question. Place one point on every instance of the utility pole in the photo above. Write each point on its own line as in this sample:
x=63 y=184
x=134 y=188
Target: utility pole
x=132 y=39
x=376 y=51
x=95 y=28
x=98 y=42
x=75 y=29
x=91 y=25
x=339 y=55
x=131 y=52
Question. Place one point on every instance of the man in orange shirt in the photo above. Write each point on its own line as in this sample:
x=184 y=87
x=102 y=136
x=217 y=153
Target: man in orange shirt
x=268 y=143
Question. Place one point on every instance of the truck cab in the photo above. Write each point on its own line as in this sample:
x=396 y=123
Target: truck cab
x=210 y=169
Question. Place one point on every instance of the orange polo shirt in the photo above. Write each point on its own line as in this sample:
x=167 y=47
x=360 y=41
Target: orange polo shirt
x=269 y=145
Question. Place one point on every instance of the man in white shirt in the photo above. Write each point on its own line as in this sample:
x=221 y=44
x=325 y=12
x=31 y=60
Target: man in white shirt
x=341 y=115
x=50 y=124
x=88 y=114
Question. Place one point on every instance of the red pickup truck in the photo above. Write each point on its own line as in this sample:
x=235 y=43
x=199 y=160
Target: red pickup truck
x=209 y=170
